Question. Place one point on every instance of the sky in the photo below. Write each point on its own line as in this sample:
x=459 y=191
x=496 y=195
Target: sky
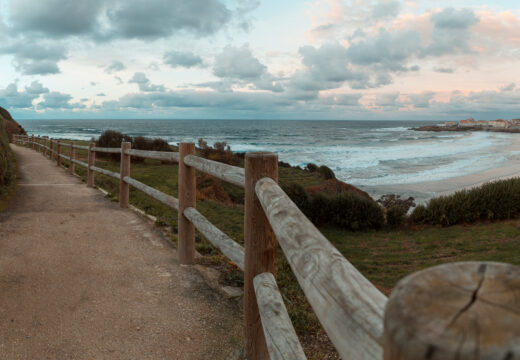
x=253 y=59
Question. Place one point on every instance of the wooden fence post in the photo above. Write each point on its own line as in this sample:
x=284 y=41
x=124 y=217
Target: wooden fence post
x=72 y=165
x=47 y=144
x=124 y=188
x=51 y=152
x=260 y=249
x=58 y=157
x=187 y=198
x=91 y=162
x=455 y=311
x=39 y=144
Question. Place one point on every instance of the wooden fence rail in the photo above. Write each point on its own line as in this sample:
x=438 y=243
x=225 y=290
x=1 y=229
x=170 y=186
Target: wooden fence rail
x=350 y=308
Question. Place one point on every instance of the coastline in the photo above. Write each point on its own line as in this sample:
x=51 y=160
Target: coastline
x=423 y=191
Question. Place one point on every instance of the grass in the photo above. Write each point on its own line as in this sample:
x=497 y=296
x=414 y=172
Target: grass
x=384 y=256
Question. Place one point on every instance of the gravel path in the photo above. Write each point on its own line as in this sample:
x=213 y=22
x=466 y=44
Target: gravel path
x=81 y=278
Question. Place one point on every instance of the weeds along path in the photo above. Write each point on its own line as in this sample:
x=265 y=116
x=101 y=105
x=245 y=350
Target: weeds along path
x=81 y=278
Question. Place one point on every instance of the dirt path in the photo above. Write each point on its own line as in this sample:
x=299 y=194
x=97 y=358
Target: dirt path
x=81 y=278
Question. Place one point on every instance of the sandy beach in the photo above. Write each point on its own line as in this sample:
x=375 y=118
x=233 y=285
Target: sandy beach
x=423 y=191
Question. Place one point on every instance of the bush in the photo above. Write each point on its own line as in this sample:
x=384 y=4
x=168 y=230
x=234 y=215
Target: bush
x=311 y=167
x=326 y=172
x=347 y=210
x=498 y=200
x=111 y=139
x=395 y=216
x=418 y=215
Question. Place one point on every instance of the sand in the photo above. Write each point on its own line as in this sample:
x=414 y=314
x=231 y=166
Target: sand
x=423 y=191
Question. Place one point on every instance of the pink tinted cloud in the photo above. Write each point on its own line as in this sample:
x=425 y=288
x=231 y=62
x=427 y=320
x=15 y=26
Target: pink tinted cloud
x=503 y=27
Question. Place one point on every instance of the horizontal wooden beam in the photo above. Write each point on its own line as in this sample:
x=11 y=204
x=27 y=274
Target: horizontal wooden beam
x=158 y=155
x=229 y=247
x=349 y=307
x=156 y=194
x=105 y=172
x=232 y=174
x=282 y=341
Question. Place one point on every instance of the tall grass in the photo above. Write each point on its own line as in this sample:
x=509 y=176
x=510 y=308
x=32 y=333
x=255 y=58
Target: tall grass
x=497 y=200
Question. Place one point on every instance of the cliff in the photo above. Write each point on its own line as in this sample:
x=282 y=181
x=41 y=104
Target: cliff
x=8 y=127
x=11 y=126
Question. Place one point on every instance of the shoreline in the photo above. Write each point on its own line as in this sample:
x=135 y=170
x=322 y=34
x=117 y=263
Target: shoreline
x=424 y=191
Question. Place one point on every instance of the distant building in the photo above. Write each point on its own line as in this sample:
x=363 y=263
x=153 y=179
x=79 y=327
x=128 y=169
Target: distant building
x=516 y=122
x=451 y=123
x=468 y=122
x=441 y=125
x=483 y=123
x=500 y=123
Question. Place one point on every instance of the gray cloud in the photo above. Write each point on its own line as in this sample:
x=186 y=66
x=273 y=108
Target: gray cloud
x=185 y=59
x=55 y=17
x=114 y=67
x=152 y=19
x=444 y=70
x=10 y=97
x=386 y=9
x=57 y=100
x=451 y=33
x=388 y=100
x=36 y=88
x=389 y=50
x=509 y=87
x=36 y=58
x=144 y=83
x=422 y=100
x=238 y=63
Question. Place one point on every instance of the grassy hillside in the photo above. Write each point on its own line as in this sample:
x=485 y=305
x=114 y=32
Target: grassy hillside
x=7 y=161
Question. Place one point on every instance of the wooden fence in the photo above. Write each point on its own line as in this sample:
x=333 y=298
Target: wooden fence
x=349 y=307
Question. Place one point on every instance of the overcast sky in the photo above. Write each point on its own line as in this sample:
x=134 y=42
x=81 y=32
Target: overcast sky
x=291 y=59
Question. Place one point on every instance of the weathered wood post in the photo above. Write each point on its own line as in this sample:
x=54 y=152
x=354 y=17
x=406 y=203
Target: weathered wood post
x=32 y=141
x=39 y=144
x=47 y=144
x=51 y=152
x=58 y=157
x=187 y=198
x=124 y=188
x=91 y=162
x=260 y=245
x=455 y=311
x=72 y=165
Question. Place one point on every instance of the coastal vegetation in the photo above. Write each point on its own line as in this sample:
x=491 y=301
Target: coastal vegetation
x=8 y=170
x=498 y=200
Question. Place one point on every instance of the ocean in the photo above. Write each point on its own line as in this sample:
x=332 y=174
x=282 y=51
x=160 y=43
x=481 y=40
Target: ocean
x=363 y=153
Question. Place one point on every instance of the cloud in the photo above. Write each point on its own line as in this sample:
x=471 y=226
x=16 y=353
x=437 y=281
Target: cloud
x=509 y=87
x=388 y=100
x=10 y=97
x=386 y=9
x=35 y=58
x=186 y=59
x=114 y=67
x=36 y=88
x=451 y=32
x=153 y=19
x=389 y=50
x=444 y=70
x=421 y=100
x=238 y=63
x=144 y=83
x=101 y=94
x=55 y=17
x=57 y=100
